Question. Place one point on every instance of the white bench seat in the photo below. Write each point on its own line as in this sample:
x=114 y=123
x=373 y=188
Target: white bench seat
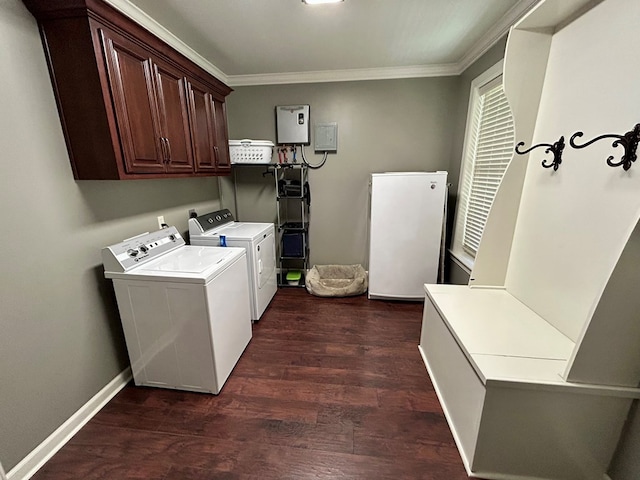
x=497 y=368
x=501 y=336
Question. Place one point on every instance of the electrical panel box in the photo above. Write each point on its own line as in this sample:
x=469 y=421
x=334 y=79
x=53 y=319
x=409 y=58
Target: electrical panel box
x=292 y=124
x=325 y=138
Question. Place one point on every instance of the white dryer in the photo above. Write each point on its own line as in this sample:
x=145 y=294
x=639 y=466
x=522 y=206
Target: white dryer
x=259 y=241
x=184 y=309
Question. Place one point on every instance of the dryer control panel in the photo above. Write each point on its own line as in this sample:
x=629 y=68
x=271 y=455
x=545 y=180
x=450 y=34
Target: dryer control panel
x=135 y=251
x=209 y=221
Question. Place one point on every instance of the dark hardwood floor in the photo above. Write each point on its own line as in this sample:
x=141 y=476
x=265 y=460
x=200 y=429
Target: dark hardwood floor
x=327 y=389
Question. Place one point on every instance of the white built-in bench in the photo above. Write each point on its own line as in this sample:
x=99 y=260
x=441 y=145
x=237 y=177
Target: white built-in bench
x=497 y=368
x=537 y=361
x=502 y=338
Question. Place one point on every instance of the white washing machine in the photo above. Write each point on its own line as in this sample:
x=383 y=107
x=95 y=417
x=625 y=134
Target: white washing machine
x=259 y=241
x=185 y=310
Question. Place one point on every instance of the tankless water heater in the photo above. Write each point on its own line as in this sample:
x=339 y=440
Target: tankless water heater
x=292 y=124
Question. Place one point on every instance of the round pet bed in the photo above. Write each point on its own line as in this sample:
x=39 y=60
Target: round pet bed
x=336 y=280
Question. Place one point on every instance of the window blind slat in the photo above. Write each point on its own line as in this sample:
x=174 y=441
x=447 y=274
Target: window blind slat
x=490 y=149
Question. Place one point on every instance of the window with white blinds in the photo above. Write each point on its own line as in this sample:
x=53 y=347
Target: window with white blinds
x=488 y=150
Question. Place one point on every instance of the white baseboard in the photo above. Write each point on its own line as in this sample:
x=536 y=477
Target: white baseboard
x=54 y=442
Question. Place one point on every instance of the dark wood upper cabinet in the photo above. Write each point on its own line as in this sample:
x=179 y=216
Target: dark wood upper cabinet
x=131 y=107
x=209 y=130
x=134 y=100
x=222 y=136
x=174 y=118
x=202 y=125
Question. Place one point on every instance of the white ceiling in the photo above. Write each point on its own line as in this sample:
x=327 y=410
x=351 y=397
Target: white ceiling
x=275 y=41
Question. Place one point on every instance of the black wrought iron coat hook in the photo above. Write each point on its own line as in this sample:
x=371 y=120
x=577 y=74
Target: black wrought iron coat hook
x=629 y=142
x=555 y=148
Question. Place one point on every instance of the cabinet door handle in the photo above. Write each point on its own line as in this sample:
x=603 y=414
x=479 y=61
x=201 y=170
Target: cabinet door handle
x=168 y=149
x=164 y=150
x=215 y=153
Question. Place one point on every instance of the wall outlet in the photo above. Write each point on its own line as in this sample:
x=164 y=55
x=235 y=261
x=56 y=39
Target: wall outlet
x=161 y=221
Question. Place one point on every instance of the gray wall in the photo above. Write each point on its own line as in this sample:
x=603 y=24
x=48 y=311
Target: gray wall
x=61 y=338
x=386 y=125
x=454 y=273
x=626 y=462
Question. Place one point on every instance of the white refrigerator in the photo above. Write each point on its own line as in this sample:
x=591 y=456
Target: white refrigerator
x=405 y=233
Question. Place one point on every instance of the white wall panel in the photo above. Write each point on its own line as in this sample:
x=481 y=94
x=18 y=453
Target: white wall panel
x=574 y=223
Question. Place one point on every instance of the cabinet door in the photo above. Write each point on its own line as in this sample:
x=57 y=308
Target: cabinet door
x=174 y=118
x=131 y=83
x=223 y=162
x=202 y=129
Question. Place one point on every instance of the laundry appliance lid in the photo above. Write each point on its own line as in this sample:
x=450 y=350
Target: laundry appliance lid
x=189 y=264
x=239 y=231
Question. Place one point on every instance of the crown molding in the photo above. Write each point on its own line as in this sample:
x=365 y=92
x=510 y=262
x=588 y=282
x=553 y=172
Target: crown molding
x=490 y=38
x=518 y=11
x=139 y=16
x=349 y=75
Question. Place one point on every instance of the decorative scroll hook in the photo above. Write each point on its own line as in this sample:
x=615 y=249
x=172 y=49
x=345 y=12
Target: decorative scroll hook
x=556 y=149
x=629 y=142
